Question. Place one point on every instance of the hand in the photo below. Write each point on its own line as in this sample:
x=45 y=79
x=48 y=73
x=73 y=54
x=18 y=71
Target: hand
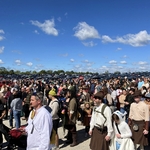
x=90 y=133
x=21 y=129
x=145 y=132
x=118 y=135
x=107 y=138
x=126 y=103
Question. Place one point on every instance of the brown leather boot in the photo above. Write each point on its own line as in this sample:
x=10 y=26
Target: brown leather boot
x=74 y=137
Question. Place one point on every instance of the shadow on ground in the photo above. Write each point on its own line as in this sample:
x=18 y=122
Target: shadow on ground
x=80 y=138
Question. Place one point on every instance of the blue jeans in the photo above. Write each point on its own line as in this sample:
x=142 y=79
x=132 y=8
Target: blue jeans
x=117 y=146
x=122 y=110
x=17 y=115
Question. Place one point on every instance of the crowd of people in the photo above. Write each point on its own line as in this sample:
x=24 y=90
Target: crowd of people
x=115 y=112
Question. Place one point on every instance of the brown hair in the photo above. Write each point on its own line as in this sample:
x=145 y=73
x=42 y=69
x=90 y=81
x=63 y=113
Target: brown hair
x=115 y=117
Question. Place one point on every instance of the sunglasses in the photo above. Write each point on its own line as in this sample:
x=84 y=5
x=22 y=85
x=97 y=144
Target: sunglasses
x=39 y=95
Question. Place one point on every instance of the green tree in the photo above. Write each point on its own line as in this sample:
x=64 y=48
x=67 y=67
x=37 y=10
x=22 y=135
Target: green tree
x=117 y=72
x=42 y=72
x=11 y=72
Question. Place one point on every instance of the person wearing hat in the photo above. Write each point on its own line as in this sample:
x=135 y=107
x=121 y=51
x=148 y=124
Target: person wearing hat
x=147 y=100
x=101 y=129
x=139 y=121
x=122 y=133
x=54 y=105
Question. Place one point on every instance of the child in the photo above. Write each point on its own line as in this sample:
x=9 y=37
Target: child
x=122 y=138
x=87 y=112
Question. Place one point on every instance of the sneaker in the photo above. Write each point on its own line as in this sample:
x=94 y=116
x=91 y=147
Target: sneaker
x=80 y=124
x=55 y=148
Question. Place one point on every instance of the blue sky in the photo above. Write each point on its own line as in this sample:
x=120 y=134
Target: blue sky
x=78 y=35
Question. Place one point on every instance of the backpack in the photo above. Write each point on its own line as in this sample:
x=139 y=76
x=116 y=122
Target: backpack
x=60 y=108
x=102 y=112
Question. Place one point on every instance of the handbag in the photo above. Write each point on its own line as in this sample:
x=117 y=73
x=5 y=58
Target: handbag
x=15 y=133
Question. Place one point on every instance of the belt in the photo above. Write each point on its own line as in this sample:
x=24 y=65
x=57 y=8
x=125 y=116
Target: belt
x=104 y=129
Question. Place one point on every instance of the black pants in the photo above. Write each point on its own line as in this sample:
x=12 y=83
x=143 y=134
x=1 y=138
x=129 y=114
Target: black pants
x=26 y=110
x=87 y=129
x=81 y=115
x=4 y=130
x=11 y=118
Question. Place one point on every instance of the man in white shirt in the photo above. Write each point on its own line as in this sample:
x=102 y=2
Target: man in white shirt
x=39 y=125
x=100 y=124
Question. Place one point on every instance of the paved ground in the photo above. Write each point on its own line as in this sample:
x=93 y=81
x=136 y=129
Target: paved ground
x=83 y=142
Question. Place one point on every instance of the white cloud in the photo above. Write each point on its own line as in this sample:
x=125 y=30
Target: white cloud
x=142 y=68
x=59 y=19
x=81 y=55
x=123 y=62
x=47 y=26
x=2 y=37
x=1 y=62
x=89 y=44
x=140 y=39
x=35 y=31
x=77 y=66
x=107 y=39
x=142 y=63
x=18 y=62
x=16 y=51
x=29 y=64
x=66 y=14
x=86 y=61
x=72 y=60
x=120 y=67
x=2 y=49
x=112 y=62
x=89 y=64
x=119 y=49
x=103 y=69
x=84 y=31
x=104 y=66
x=125 y=56
x=64 y=55
x=2 y=32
